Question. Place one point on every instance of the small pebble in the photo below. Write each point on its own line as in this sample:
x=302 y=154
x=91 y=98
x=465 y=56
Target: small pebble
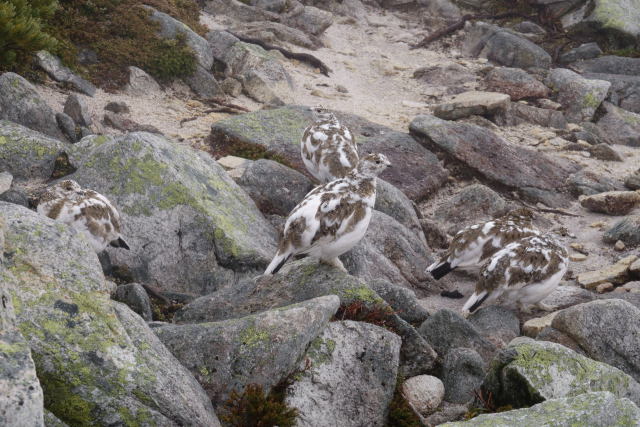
x=577 y=257
x=579 y=247
x=619 y=246
x=342 y=89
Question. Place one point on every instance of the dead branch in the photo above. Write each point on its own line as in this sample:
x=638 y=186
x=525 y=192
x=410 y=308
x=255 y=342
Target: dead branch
x=218 y=102
x=189 y=119
x=155 y=293
x=460 y=23
x=302 y=57
x=549 y=210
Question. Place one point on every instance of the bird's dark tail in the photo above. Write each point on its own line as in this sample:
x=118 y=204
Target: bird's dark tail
x=119 y=243
x=441 y=270
x=276 y=263
x=475 y=301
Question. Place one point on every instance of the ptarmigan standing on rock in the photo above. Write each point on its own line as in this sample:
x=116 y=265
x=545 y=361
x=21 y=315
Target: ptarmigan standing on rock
x=87 y=211
x=524 y=272
x=332 y=218
x=476 y=243
x=328 y=148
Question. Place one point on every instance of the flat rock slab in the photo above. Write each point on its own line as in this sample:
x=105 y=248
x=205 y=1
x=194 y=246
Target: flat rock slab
x=351 y=379
x=601 y=409
x=624 y=91
x=579 y=97
x=278 y=132
x=501 y=164
x=262 y=349
x=472 y=103
x=620 y=126
x=612 y=202
x=609 y=65
x=627 y=230
x=617 y=274
x=516 y=83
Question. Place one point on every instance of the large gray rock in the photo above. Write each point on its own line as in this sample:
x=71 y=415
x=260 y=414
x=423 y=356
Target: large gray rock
x=402 y=300
x=263 y=76
x=632 y=181
x=275 y=188
x=260 y=349
x=619 y=20
x=170 y=28
x=279 y=132
x=463 y=371
x=21 y=103
x=351 y=379
x=446 y=330
x=624 y=91
x=239 y=11
x=97 y=361
x=529 y=372
x=627 y=230
x=390 y=251
x=517 y=113
x=609 y=65
x=472 y=103
x=20 y=392
x=136 y=298
x=26 y=153
x=76 y=108
x=501 y=46
x=451 y=75
x=584 y=51
x=204 y=84
x=496 y=323
x=141 y=84
x=620 y=126
x=300 y=281
x=189 y=226
x=516 y=83
x=471 y=205
x=481 y=152
x=606 y=330
x=307 y=18
x=579 y=97
x=588 y=182
x=52 y=65
x=601 y=409
x=393 y=202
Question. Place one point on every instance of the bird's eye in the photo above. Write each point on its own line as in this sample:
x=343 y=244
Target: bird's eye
x=377 y=162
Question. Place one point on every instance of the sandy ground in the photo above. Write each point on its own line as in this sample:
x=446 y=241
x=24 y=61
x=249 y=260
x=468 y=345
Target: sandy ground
x=372 y=77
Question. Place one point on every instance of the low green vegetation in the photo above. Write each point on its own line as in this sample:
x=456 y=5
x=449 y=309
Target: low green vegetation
x=21 y=29
x=254 y=408
x=112 y=34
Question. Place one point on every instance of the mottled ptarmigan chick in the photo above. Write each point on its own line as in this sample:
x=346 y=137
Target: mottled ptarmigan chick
x=87 y=211
x=328 y=148
x=524 y=272
x=333 y=217
x=472 y=245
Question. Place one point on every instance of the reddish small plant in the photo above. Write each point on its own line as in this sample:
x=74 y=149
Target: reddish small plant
x=254 y=408
x=377 y=314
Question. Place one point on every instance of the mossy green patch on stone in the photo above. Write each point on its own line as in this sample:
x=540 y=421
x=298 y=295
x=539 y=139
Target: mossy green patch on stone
x=362 y=293
x=252 y=337
x=321 y=351
x=590 y=101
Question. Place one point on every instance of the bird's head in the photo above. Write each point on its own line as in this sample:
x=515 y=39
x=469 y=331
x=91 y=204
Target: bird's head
x=373 y=164
x=322 y=114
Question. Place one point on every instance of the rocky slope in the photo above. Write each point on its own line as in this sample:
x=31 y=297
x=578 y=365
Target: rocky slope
x=183 y=329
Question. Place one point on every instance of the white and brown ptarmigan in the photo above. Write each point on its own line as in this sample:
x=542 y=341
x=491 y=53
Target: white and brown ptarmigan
x=328 y=148
x=89 y=212
x=333 y=217
x=472 y=245
x=524 y=272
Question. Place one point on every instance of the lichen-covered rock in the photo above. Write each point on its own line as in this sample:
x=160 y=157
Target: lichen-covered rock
x=620 y=126
x=25 y=153
x=626 y=230
x=463 y=371
x=307 y=18
x=279 y=132
x=501 y=46
x=98 y=362
x=619 y=20
x=584 y=51
x=20 y=392
x=607 y=330
x=303 y=280
x=261 y=349
x=479 y=151
x=446 y=330
x=600 y=409
x=21 y=103
x=624 y=91
x=351 y=379
x=529 y=372
x=51 y=420
x=516 y=83
x=189 y=226
x=579 y=97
